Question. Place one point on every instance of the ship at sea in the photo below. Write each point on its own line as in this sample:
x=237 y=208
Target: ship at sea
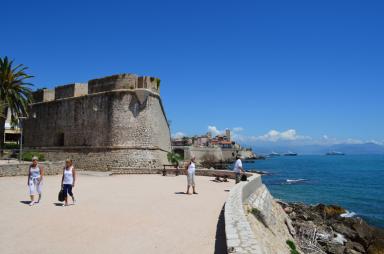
x=335 y=153
x=274 y=154
x=290 y=154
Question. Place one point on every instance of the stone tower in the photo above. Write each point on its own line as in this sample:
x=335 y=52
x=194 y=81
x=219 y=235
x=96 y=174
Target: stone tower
x=116 y=122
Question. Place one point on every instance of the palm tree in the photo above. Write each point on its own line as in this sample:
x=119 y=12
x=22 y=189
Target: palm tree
x=174 y=158
x=15 y=93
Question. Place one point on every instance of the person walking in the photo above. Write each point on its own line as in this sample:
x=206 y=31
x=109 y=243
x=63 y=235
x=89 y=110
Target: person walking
x=191 y=176
x=35 y=178
x=238 y=168
x=68 y=181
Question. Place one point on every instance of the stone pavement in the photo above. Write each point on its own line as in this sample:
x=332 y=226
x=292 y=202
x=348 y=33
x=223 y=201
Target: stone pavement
x=114 y=214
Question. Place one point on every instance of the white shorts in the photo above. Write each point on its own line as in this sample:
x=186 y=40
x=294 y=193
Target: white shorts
x=34 y=186
x=191 y=179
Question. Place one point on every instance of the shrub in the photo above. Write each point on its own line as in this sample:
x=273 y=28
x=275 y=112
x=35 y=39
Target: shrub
x=11 y=146
x=27 y=156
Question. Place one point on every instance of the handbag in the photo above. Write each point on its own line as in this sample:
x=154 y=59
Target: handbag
x=244 y=177
x=61 y=197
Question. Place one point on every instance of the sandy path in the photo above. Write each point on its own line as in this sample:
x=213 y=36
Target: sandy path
x=116 y=214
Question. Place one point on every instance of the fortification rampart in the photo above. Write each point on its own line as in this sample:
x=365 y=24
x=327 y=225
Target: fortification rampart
x=116 y=121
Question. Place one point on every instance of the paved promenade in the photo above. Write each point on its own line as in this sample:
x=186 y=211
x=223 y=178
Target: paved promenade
x=114 y=214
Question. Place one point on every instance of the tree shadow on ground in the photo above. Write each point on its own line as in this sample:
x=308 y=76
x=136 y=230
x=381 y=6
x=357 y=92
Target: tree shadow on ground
x=221 y=240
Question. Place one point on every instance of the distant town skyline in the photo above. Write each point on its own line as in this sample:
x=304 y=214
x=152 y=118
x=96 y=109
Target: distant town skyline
x=284 y=71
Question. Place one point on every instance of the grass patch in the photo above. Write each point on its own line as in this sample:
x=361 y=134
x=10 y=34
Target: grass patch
x=292 y=247
x=259 y=216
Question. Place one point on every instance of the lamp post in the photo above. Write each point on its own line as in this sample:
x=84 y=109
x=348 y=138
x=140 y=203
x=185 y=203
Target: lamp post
x=21 y=137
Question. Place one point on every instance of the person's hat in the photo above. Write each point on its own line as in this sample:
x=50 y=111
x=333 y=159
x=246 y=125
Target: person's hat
x=35 y=158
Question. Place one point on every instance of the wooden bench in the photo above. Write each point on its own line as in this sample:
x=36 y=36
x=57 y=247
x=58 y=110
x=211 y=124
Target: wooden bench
x=172 y=169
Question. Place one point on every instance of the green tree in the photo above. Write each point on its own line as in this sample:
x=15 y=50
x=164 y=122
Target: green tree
x=15 y=93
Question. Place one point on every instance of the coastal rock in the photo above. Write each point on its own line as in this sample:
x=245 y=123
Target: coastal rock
x=349 y=251
x=376 y=247
x=334 y=249
x=339 y=239
x=321 y=227
x=288 y=209
x=355 y=247
x=329 y=211
x=364 y=232
x=345 y=230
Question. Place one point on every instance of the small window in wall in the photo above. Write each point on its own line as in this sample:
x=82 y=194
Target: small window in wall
x=59 y=139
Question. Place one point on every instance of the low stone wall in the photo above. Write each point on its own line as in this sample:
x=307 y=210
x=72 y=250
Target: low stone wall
x=108 y=158
x=21 y=169
x=254 y=222
x=199 y=172
x=201 y=152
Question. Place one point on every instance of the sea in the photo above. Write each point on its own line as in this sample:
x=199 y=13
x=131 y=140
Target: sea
x=355 y=182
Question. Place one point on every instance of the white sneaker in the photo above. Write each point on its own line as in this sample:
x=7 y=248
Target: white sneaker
x=32 y=203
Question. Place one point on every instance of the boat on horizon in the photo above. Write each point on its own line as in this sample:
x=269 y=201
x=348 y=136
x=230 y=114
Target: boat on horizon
x=335 y=153
x=274 y=154
x=290 y=154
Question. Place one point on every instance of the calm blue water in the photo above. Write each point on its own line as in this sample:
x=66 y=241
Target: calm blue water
x=355 y=182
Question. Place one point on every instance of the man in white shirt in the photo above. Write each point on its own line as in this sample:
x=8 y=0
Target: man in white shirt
x=238 y=168
x=191 y=168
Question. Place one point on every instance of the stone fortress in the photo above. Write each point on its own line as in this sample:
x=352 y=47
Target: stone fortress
x=112 y=123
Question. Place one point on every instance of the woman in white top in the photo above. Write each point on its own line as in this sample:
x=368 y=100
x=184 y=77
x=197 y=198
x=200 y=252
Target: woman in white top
x=191 y=176
x=68 y=181
x=35 y=178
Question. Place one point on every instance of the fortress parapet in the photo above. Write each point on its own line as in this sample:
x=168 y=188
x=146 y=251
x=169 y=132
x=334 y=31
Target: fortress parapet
x=106 y=84
x=112 y=122
x=71 y=90
x=123 y=81
x=43 y=95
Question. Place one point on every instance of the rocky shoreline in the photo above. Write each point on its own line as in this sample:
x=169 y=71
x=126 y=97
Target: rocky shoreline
x=324 y=229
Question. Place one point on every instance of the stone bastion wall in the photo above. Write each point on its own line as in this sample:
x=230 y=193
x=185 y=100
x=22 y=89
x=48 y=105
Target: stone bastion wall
x=254 y=222
x=116 y=121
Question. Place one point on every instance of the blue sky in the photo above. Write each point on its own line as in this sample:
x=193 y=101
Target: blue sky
x=310 y=70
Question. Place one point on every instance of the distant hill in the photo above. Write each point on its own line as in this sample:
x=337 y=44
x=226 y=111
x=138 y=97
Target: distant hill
x=366 y=148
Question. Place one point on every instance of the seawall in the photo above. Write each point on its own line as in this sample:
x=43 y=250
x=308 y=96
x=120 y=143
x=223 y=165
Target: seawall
x=254 y=222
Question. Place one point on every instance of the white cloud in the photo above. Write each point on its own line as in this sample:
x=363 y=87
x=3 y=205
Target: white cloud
x=288 y=135
x=238 y=129
x=214 y=130
x=353 y=141
x=178 y=135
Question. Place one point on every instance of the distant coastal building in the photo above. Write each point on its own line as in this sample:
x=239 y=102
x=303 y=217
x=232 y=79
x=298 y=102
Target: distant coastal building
x=221 y=147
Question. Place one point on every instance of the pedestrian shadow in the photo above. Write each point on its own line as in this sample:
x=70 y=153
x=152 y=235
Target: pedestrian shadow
x=25 y=202
x=179 y=193
x=221 y=240
x=58 y=204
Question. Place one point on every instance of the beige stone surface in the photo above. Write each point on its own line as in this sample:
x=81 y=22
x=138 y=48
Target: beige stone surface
x=115 y=214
